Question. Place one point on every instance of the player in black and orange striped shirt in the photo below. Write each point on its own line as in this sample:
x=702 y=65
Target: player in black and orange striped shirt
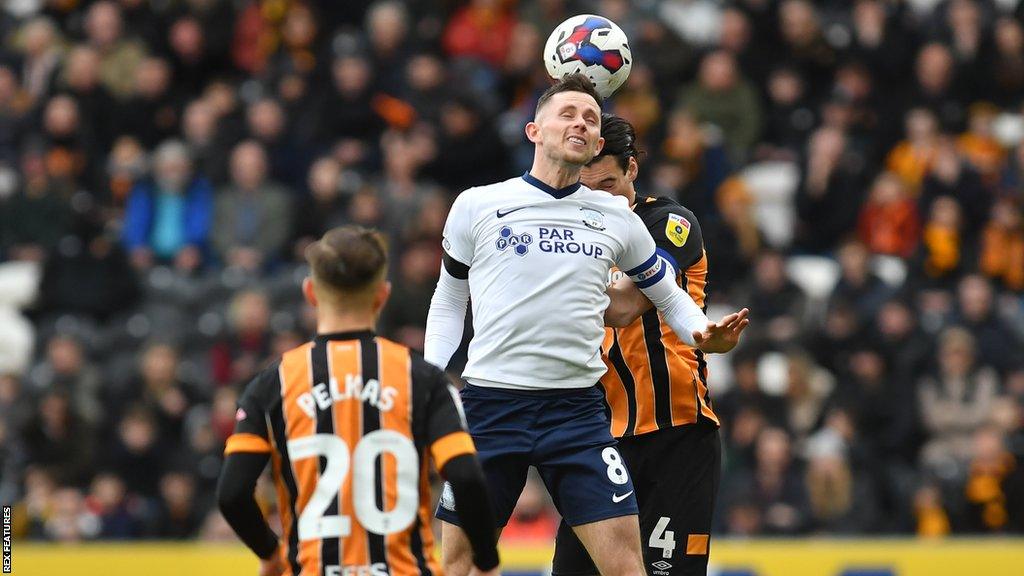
x=656 y=386
x=349 y=422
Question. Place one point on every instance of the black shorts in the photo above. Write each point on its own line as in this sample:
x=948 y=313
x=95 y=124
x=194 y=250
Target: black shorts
x=675 y=473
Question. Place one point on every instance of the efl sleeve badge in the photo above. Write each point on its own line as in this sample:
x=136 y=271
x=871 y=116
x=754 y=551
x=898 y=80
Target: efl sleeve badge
x=677 y=229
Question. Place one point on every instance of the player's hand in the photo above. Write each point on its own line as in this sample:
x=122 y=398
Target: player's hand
x=496 y=571
x=723 y=335
x=273 y=566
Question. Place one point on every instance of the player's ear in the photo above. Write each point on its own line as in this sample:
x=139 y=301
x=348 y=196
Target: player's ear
x=381 y=298
x=307 y=291
x=632 y=169
x=533 y=132
x=600 y=146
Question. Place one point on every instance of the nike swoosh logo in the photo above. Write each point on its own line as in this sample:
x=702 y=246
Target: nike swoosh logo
x=507 y=212
x=616 y=498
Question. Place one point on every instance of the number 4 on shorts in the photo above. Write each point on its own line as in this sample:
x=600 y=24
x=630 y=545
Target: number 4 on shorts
x=662 y=538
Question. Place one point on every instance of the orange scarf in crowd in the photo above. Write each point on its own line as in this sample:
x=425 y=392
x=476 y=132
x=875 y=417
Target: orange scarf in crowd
x=1002 y=256
x=985 y=488
x=890 y=228
x=942 y=247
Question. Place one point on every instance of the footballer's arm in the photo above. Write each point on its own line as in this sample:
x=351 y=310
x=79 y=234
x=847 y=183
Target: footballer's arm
x=236 y=500
x=626 y=304
x=447 y=315
x=682 y=313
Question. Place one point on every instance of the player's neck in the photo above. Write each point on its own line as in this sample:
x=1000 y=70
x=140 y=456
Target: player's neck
x=333 y=322
x=555 y=175
x=631 y=196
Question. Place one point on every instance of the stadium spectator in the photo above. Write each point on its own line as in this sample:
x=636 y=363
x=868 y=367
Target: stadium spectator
x=119 y=56
x=160 y=389
x=1002 y=246
x=831 y=192
x=37 y=216
x=776 y=303
x=997 y=344
x=808 y=390
x=692 y=165
x=955 y=402
x=469 y=150
x=481 y=30
x=1007 y=63
x=240 y=354
x=59 y=441
x=937 y=87
x=167 y=219
x=840 y=497
x=81 y=80
x=906 y=347
x=746 y=393
x=66 y=369
x=911 y=158
x=734 y=241
x=138 y=453
x=178 y=515
x=803 y=42
x=268 y=126
x=889 y=222
x=120 y=514
x=15 y=105
x=41 y=56
x=346 y=111
x=199 y=130
x=323 y=207
x=858 y=285
x=895 y=124
x=151 y=113
x=406 y=313
x=789 y=118
x=771 y=497
x=723 y=97
x=944 y=252
x=70 y=520
x=952 y=177
x=252 y=215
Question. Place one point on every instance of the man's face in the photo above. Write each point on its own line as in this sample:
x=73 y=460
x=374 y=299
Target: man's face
x=606 y=174
x=568 y=128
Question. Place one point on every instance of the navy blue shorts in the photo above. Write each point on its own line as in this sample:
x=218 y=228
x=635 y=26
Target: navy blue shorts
x=565 y=434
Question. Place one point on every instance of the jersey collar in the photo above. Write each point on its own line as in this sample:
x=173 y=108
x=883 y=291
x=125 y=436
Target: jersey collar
x=556 y=192
x=349 y=335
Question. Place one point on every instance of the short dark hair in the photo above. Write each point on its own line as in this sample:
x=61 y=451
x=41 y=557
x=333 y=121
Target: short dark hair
x=619 y=140
x=570 y=83
x=348 y=258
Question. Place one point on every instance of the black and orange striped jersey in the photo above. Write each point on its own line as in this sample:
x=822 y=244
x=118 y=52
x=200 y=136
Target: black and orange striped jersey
x=654 y=380
x=349 y=421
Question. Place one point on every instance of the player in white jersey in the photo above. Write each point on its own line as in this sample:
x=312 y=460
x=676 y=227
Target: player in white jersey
x=533 y=255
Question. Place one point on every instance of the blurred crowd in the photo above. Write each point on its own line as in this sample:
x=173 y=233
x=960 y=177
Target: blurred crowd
x=857 y=169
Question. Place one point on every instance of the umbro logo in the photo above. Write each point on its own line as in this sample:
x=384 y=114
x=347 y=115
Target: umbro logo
x=661 y=565
x=501 y=214
x=519 y=243
x=616 y=498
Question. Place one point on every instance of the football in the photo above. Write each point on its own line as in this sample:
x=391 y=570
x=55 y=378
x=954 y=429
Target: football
x=593 y=45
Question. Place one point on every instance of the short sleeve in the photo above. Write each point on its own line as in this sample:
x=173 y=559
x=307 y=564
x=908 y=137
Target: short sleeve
x=251 y=434
x=638 y=259
x=676 y=234
x=458 y=230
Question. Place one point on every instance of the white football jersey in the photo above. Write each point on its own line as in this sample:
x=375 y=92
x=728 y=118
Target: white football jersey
x=538 y=262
